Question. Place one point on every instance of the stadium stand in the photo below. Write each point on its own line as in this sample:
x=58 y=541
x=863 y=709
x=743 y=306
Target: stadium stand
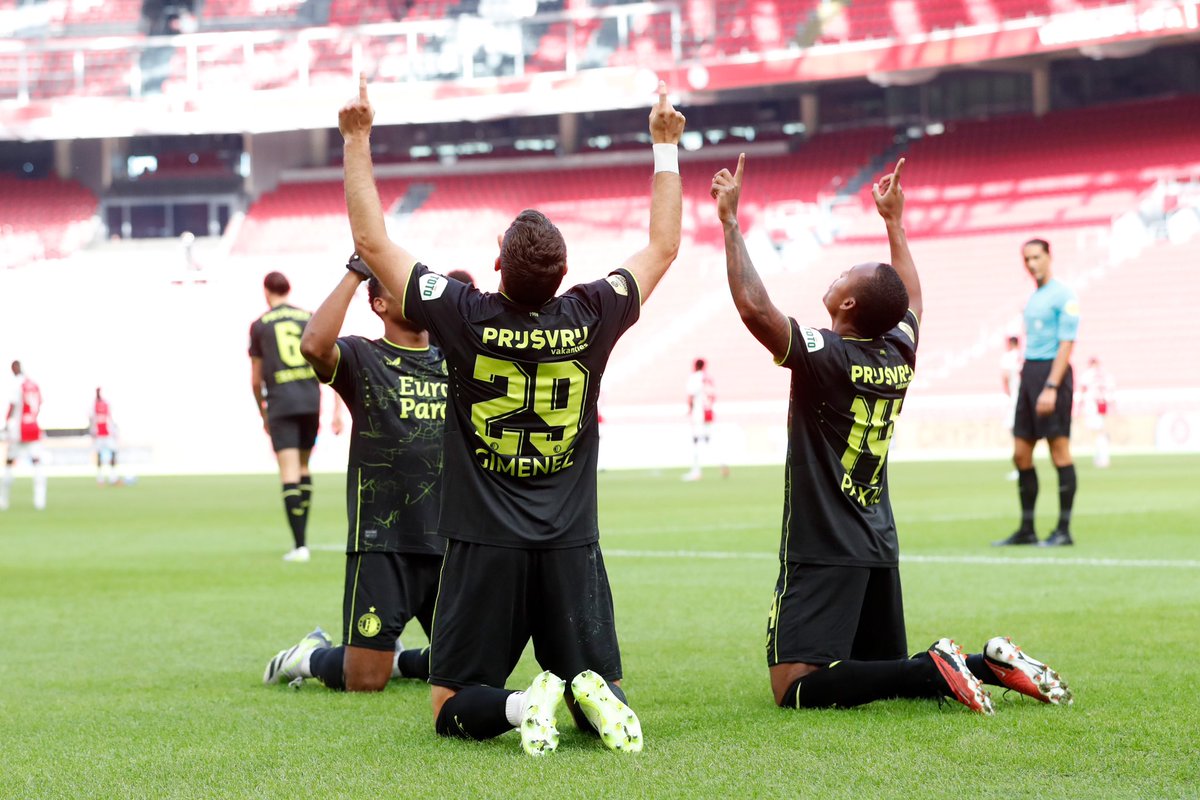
x=40 y=219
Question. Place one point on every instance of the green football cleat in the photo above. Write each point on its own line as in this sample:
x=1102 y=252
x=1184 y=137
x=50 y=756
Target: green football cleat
x=616 y=723
x=286 y=663
x=539 y=725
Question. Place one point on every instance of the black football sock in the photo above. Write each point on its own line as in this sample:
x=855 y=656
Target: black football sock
x=581 y=720
x=325 y=664
x=980 y=669
x=846 y=684
x=413 y=663
x=1027 y=488
x=292 y=506
x=475 y=712
x=305 y=503
x=1066 y=495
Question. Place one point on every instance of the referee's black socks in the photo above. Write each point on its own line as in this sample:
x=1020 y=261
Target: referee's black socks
x=475 y=712
x=1027 y=488
x=846 y=684
x=1066 y=496
x=293 y=506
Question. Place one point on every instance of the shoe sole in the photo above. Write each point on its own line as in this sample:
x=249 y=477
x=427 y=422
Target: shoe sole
x=964 y=686
x=539 y=726
x=1026 y=675
x=619 y=728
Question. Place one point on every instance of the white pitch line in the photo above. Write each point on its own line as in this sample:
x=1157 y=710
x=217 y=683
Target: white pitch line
x=754 y=555
x=919 y=559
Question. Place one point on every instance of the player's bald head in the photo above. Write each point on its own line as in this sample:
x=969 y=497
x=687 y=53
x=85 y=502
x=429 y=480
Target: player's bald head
x=533 y=258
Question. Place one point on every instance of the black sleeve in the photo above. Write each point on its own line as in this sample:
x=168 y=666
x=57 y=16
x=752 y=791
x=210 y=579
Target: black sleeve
x=905 y=337
x=811 y=351
x=255 y=344
x=349 y=358
x=433 y=301
x=616 y=298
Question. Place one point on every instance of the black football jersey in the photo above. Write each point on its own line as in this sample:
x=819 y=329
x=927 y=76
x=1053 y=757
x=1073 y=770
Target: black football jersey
x=521 y=432
x=291 y=385
x=845 y=398
x=397 y=401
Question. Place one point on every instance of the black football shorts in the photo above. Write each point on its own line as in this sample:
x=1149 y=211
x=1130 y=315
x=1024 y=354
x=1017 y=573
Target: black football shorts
x=1026 y=423
x=823 y=614
x=493 y=600
x=383 y=592
x=294 y=431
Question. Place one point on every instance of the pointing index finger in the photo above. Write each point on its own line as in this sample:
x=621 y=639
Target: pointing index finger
x=362 y=86
x=662 y=94
x=896 y=171
x=737 y=176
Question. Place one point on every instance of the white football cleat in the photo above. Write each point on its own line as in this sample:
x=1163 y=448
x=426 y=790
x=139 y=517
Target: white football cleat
x=618 y=726
x=539 y=723
x=299 y=554
x=286 y=665
x=1026 y=675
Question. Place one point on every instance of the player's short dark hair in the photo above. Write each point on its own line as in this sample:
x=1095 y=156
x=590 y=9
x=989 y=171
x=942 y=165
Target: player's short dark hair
x=461 y=275
x=277 y=283
x=881 y=302
x=372 y=288
x=699 y=364
x=1013 y=340
x=1042 y=243
x=533 y=258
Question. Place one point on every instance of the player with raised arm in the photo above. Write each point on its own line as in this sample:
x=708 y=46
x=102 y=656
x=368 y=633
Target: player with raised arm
x=835 y=634
x=395 y=388
x=24 y=436
x=288 y=397
x=519 y=501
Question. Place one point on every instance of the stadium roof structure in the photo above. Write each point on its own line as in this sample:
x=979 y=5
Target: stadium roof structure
x=427 y=71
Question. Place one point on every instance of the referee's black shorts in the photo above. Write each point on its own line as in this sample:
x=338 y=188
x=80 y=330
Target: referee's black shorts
x=1026 y=423
x=492 y=600
x=822 y=614
x=293 y=431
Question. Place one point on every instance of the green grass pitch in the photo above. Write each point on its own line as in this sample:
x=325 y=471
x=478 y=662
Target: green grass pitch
x=137 y=621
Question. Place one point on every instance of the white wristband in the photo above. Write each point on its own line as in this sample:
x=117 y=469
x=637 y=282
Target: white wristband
x=666 y=158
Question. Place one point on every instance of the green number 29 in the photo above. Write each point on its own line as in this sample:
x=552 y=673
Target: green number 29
x=554 y=391
x=871 y=432
x=287 y=338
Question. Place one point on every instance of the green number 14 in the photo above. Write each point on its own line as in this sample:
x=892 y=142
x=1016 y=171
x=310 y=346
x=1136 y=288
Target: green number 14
x=871 y=432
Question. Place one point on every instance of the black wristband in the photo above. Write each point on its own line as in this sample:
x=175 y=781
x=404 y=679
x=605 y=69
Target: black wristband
x=1050 y=385
x=357 y=265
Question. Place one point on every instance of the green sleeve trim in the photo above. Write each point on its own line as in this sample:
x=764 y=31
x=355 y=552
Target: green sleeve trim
x=404 y=296
x=780 y=362
x=337 y=346
x=633 y=278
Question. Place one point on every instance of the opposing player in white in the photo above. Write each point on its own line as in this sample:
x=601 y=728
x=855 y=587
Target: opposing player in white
x=24 y=437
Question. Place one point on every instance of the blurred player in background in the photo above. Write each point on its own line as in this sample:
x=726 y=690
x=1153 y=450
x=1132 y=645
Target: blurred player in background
x=104 y=440
x=1010 y=379
x=461 y=275
x=519 y=499
x=395 y=388
x=289 y=399
x=1044 y=399
x=701 y=397
x=24 y=436
x=1095 y=401
x=836 y=635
